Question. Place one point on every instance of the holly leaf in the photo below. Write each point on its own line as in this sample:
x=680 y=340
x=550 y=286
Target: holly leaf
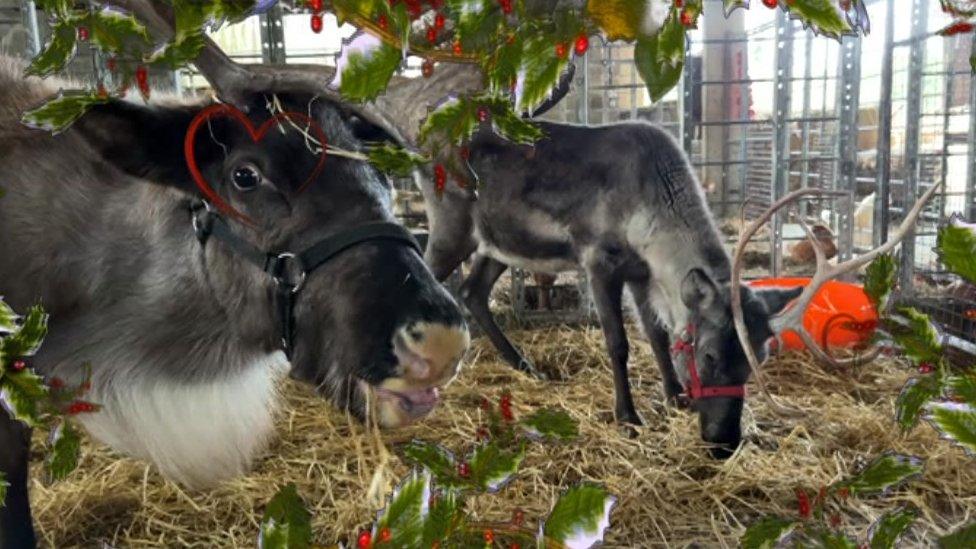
x=57 y=114
x=509 y=125
x=477 y=22
x=956 y=422
x=963 y=387
x=492 y=465
x=3 y=489
x=732 y=5
x=913 y=397
x=963 y=538
x=548 y=423
x=539 y=72
x=112 y=31
x=628 y=19
x=407 y=509
x=821 y=15
x=394 y=160
x=956 y=247
x=367 y=72
x=580 y=516
x=28 y=338
x=767 y=533
x=443 y=517
x=883 y=473
x=65 y=446
x=178 y=52
x=432 y=457
x=836 y=540
x=286 y=523
x=919 y=339
x=972 y=63
x=58 y=52
x=453 y=121
x=55 y=7
x=8 y=318
x=660 y=58
x=502 y=66
x=887 y=529
x=879 y=280
x=20 y=394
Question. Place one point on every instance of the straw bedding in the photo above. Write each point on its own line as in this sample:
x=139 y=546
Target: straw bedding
x=670 y=493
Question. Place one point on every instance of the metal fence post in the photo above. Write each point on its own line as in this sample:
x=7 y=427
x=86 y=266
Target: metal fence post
x=912 y=128
x=883 y=186
x=781 y=131
x=970 y=207
x=273 y=36
x=686 y=103
x=848 y=97
x=28 y=11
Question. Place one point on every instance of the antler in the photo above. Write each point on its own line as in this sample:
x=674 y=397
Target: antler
x=791 y=319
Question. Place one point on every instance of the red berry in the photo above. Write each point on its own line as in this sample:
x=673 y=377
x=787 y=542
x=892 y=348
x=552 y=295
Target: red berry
x=507 y=414
x=385 y=535
x=316 y=23
x=970 y=314
x=560 y=50
x=464 y=470
x=771 y=4
x=316 y=5
x=582 y=44
x=83 y=34
x=518 y=517
x=926 y=368
x=514 y=545
x=483 y=114
x=506 y=6
x=835 y=520
x=482 y=433
x=687 y=19
x=440 y=177
x=439 y=21
x=845 y=5
x=383 y=22
x=489 y=536
x=431 y=35
x=679 y=3
x=18 y=365
x=365 y=540
x=57 y=382
x=485 y=404
x=427 y=68
x=457 y=47
x=802 y=503
x=466 y=154
x=142 y=80
x=843 y=493
x=958 y=27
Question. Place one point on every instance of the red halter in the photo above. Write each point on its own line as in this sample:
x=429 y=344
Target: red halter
x=685 y=343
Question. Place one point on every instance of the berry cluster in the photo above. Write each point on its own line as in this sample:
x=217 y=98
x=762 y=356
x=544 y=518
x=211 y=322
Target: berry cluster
x=316 y=22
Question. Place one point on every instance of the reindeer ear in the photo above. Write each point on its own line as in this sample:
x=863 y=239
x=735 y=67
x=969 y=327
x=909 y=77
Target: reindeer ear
x=143 y=141
x=699 y=292
x=776 y=299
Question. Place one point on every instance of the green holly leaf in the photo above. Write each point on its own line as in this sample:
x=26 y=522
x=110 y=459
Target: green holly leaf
x=509 y=125
x=956 y=422
x=767 y=533
x=836 y=540
x=444 y=516
x=26 y=340
x=454 y=121
x=8 y=318
x=178 y=52
x=919 y=339
x=65 y=444
x=492 y=466
x=477 y=22
x=886 y=531
x=731 y=5
x=3 y=489
x=883 y=473
x=432 y=457
x=541 y=68
x=660 y=59
x=57 y=114
x=113 y=31
x=956 y=247
x=394 y=160
x=407 y=509
x=972 y=63
x=549 y=423
x=60 y=8
x=60 y=50
x=821 y=15
x=286 y=524
x=580 y=516
x=964 y=387
x=963 y=538
x=502 y=66
x=879 y=280
x=619 y=19
x=367 y=75
x=20 y=395
x=913 y=397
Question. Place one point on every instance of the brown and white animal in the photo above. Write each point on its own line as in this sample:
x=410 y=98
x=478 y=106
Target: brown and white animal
x=802 y=252
x=181 y=311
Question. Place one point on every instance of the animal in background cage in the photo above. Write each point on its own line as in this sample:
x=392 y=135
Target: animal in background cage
x=802 y=253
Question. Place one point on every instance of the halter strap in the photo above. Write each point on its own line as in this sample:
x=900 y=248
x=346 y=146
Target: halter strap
x=685 y=343
x=289 y=270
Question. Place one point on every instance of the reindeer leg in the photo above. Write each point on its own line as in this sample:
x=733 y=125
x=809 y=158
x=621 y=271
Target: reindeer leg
x=660 y=342
x=608 y=288
x=475 y=291
x=16 y=526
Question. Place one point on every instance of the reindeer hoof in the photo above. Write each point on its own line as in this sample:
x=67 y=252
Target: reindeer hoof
x=679 y=401
x=630 y=418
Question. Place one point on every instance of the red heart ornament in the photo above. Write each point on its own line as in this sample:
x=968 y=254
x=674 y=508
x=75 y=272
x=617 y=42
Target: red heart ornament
x=257 y=134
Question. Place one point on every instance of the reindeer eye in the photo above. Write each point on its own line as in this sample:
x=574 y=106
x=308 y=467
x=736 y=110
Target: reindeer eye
x=246 y=177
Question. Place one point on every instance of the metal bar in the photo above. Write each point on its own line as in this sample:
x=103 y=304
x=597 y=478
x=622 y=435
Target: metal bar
x=883 y=196
x=946 y=105
x=912 y=138
x=971 y=167
x=804 y=123
x=273 y=36
x=584 y=104
x=29 y=15
x=781 y=132
x=848 y=95
x=686 y=104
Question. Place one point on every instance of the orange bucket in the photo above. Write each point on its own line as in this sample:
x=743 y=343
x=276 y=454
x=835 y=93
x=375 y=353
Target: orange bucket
x=840 y=315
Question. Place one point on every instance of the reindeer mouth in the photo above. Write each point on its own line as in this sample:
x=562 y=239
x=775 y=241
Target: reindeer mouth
x=416 y=403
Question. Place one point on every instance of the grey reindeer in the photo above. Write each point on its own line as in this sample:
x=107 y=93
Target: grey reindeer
x=183 y=311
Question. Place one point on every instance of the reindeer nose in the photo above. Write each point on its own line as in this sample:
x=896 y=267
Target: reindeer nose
x=429 y=352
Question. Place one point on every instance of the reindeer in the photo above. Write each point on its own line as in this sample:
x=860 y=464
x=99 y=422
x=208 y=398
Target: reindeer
x=188 y=316
x=622 y=202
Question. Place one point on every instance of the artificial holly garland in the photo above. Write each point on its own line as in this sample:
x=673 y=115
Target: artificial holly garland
x=429 y=508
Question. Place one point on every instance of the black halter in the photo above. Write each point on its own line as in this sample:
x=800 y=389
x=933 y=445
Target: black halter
x=289 y=270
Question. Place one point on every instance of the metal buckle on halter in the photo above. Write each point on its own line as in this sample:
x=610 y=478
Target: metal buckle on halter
x=281 y=274
x=201 y=228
